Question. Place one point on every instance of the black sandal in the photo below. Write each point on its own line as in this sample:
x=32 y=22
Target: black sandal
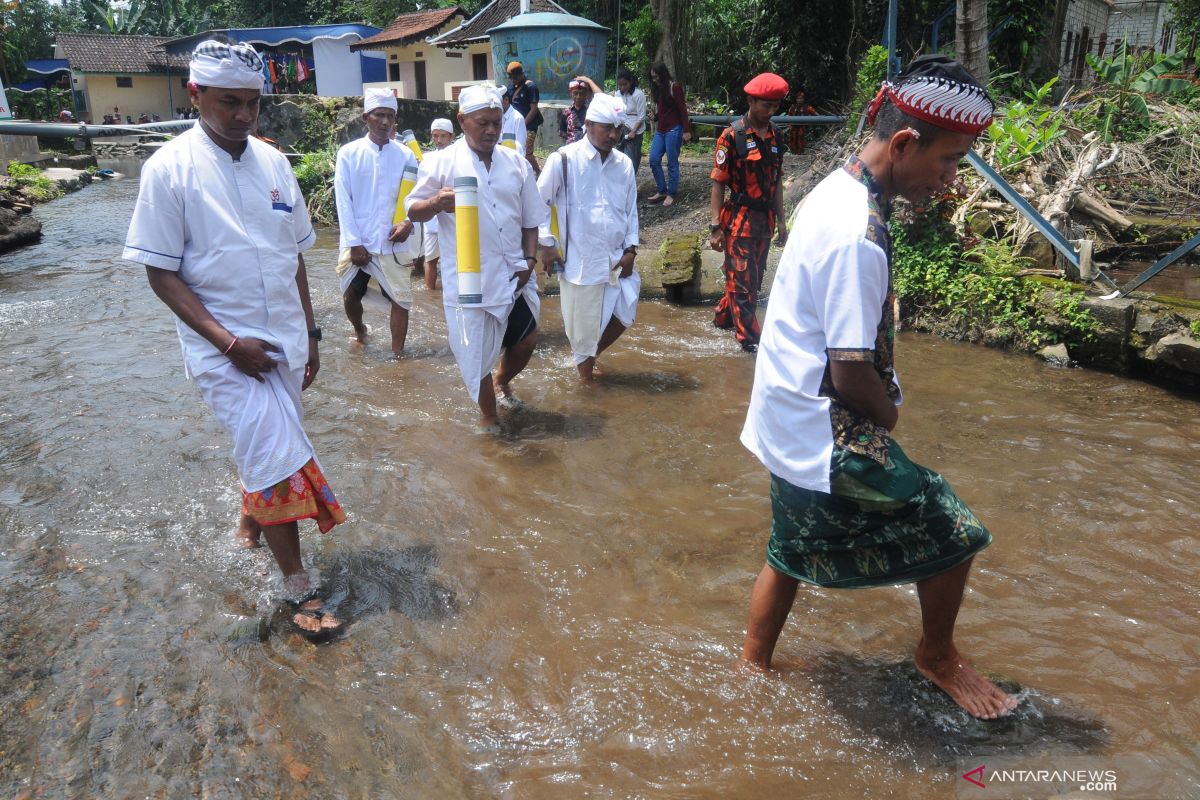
x=325 y=632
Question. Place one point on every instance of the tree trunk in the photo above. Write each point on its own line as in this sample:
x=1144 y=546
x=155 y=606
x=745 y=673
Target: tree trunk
x=971 y=31
x=671 y=15
x=1054 y=23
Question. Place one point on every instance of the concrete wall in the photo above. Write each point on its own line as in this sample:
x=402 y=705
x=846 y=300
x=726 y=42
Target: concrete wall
x=17 y=148
x=442 y=66
x=148 y=94
x=1141 y=24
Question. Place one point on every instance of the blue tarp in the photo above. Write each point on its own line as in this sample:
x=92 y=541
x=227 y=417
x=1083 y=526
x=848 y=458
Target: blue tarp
x=304 y=34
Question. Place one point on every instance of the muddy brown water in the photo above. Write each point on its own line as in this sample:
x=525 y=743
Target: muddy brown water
x=555 y=613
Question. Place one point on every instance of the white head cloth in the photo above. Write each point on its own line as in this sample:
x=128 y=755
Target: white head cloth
x=378 y=98
x=441 y=124
x=477 y=97
x=606 y=110
x=226 y=66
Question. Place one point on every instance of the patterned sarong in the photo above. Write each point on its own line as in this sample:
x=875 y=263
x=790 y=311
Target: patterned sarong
x=880 y=525
x=303 y=495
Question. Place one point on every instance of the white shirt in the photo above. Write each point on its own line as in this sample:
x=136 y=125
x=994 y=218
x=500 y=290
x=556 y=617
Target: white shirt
x=508 y=202
x=233 y=230
x=828 y=293
x=366 y=181
x=512 y=122
x=597 y=212
x=635 y=108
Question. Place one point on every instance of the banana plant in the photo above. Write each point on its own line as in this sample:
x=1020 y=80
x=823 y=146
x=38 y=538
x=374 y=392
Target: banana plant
x=1133 y=77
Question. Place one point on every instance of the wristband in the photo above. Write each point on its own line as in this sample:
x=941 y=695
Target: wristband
x=225 y=352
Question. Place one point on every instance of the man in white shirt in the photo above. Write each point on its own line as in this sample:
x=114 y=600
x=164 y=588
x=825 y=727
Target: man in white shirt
x=366 y=180
x=441 y=131
x=512 y=124
x=503 y=315
x=634 y=101
x=219 y=225
x=849 y=508
x=591 y=188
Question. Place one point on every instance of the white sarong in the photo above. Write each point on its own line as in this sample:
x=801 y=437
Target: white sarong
x=432 y=250
x=587 y=310
x=391 y=277
x=477 y=334
x=265 y=420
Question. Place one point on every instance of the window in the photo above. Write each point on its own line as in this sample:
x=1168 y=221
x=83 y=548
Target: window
x=124 y=82
x=479 y=66
x=393 y=72
x=453 y=54
x=183 y=82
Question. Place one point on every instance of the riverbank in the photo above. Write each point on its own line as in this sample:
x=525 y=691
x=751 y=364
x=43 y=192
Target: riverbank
x=26 y=186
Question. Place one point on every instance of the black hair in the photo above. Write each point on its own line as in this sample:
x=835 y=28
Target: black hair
x=624 y=74
x=891 y=120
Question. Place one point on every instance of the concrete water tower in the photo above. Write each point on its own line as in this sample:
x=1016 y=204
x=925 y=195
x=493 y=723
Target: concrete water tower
x=553 y=49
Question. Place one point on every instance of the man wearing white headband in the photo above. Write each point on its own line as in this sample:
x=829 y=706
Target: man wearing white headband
x=219 y=225
x=571 y=119
x=366 y=181
x=591 y=189
x=504 y=316
x=441 y=131
x=850 y=509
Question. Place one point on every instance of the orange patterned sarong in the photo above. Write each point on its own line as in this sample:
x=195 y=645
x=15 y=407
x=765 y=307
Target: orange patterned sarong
x=304 y=495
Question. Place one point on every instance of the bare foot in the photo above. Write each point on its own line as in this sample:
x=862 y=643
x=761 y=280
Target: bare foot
x=360 y=333
x=977 y=695
x=668 y=200
x=249 y=533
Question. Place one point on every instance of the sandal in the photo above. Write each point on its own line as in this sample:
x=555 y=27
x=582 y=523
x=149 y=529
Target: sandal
x=313 y=619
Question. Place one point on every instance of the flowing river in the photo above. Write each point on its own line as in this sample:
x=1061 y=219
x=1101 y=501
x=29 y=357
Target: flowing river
x=556 y=612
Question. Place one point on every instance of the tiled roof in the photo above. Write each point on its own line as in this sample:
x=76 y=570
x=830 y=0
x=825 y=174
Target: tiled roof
x=409 y=28
x=98 y=52
x=494 y=13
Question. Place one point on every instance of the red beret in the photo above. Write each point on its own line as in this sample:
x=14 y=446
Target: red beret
x=768 y=86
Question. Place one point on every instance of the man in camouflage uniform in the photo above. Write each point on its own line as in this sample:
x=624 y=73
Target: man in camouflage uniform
x=749 y=162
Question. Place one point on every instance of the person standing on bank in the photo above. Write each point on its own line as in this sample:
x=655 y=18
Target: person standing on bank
x=219 y=225
x=570 y=121
x=849 y=508
x=749 y=162
x=634 y=101
x=366 y=181
x=590 y=185
x=524 y=97
x=509 y=213
x=672 y=128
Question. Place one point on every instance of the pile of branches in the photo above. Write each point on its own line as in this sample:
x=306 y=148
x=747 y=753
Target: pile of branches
x=1089 y=189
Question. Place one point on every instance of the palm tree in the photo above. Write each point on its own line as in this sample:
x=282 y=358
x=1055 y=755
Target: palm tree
x=971 y=43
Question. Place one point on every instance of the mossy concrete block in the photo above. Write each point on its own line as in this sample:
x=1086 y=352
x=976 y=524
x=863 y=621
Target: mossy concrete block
x=676 y=267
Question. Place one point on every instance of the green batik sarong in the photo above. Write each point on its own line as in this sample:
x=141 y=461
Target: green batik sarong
x=879 y=525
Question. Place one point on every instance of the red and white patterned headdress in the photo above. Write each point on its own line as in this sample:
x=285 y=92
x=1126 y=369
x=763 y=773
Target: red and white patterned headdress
x=939 y=91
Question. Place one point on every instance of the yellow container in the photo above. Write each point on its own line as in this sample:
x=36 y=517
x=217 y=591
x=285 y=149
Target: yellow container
x=410 y=140
x=406 y=185
x=554 y=228
x=466 y=238
x=509 y=140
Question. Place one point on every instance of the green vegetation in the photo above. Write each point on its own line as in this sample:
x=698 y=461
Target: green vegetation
x=314 y=173
x=1194 y=328
x=872 y=71
x=979 y=290
x=1025 y=127
x=1125 y=81
x=32 y=183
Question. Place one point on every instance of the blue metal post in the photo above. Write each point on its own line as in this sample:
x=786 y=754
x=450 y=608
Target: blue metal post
x=1162 y=263
x=892 y=66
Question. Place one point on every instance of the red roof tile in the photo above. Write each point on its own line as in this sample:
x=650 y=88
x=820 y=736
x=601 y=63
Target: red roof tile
x=409 y=28
x=105 y=53
x=494 y=13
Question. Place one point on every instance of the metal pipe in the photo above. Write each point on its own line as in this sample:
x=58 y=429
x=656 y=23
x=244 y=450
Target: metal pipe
x=64 y=130
x=724 y=119
x=1161 y=264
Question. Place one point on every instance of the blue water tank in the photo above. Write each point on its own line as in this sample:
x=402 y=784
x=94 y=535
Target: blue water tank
x=553 y=48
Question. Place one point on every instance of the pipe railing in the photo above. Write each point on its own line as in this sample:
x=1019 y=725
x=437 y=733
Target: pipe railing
x=68 y=130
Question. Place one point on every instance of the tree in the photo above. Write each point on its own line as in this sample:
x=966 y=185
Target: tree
x=970 y=41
